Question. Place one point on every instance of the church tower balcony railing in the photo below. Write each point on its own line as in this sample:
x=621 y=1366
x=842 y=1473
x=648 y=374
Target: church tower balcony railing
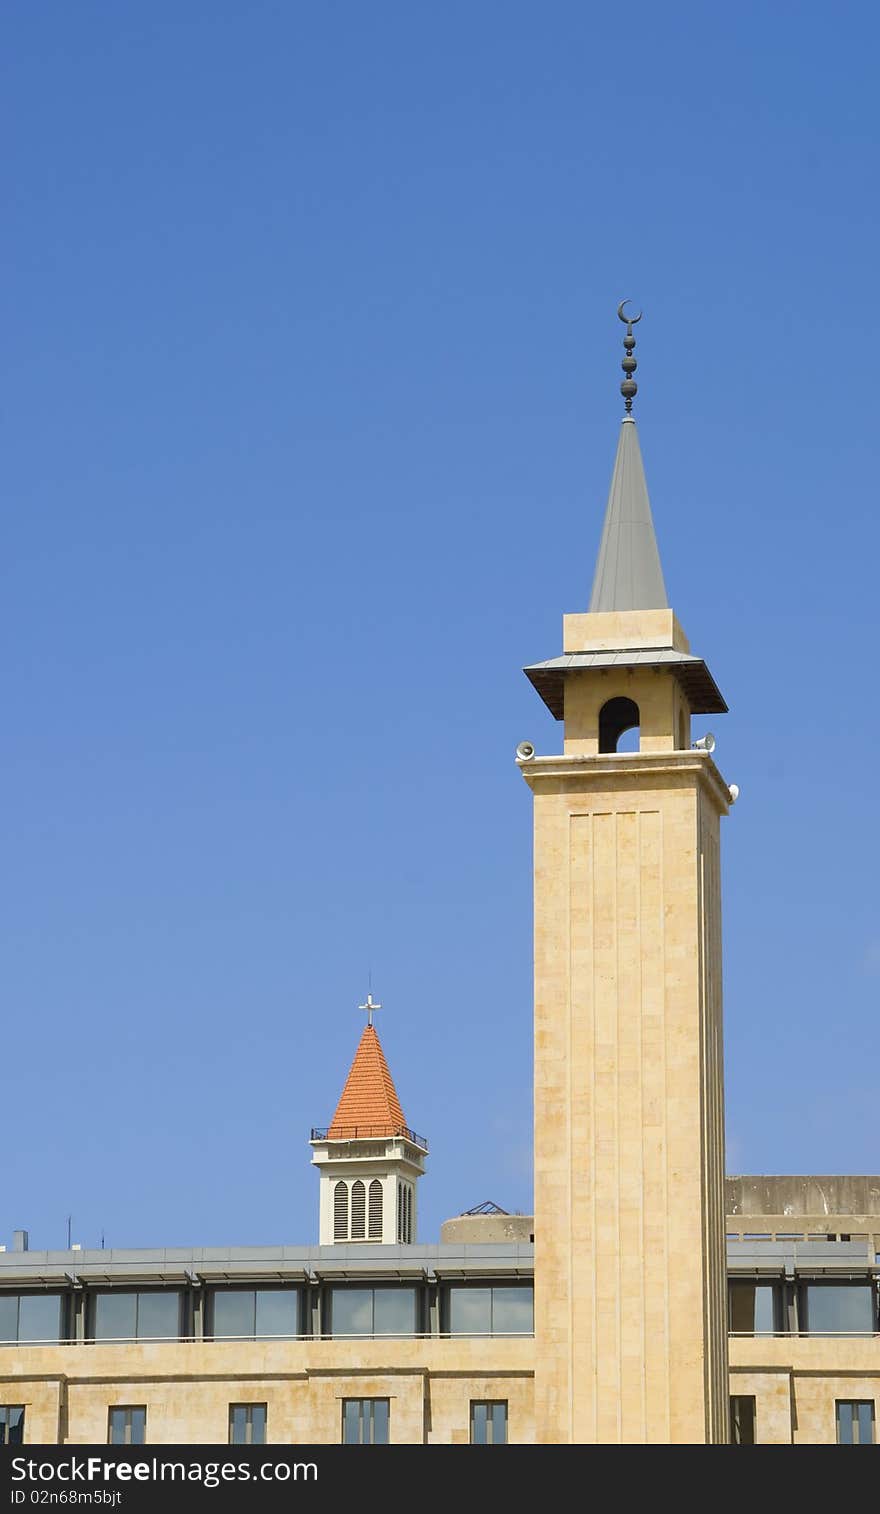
x=368 y=1132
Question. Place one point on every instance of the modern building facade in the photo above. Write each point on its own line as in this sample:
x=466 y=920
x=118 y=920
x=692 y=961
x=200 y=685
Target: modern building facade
x=421 y=1343
x=648 y=1300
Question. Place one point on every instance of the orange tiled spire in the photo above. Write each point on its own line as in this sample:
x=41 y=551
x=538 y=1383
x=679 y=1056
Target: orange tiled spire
x=369 y=1105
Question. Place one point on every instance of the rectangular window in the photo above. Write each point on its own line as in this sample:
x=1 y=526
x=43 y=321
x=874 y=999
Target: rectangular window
x=503 y=1310
x=753 y=1308
x=30 y=1317
x=839 y=1308
x=11 y=1424
x=373 y=1311
x=254 y=1313
x=247 y=1424
x=489 y=1422
x=365 y=1421
x=742 y=1420
x=123 y=1316
x=127 y=1426
x=855 y=1421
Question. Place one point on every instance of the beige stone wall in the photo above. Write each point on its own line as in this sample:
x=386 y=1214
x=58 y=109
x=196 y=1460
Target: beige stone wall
x=629 y=1296
x=796 y=1382
x=187 y=1387
x=773 y=1404
x=712 y=1094
x=43 y=1400
x=658 y=697
x=449 y=1394
x=611 y=630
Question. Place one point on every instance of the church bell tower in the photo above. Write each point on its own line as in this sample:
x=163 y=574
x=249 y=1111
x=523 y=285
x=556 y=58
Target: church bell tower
x=368 y=1159
x=630 y=1303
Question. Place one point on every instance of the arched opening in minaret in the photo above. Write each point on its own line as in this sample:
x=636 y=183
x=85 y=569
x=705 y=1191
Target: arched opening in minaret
x=616 y=717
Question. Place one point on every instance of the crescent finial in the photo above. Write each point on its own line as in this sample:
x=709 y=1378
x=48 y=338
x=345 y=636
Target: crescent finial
x=628 y=320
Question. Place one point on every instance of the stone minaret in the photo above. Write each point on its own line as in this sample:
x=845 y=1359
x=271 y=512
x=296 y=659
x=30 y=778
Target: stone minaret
x=368 y=1159
x=630 y=1304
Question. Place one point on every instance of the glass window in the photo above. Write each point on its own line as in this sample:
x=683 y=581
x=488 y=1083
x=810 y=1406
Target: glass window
x=158 y=1316
x=373 y=1311
x=234 y=1312
x=470 y=1311
x=742 y=1420
x=491 y=1311
x=39 y=1317
x=394 y=1311
x=277 y=1311
x=254 y=1312
x=127 y=1426
x=11 y=1424
x=753 y=1308
x=489 y=1422
x=855 y=1422
x=8 y=1316
x=512 y=1311
x=351 y=1312
x=840 y=1308
x=30 y=1316
x=247 y=1424
x=115 y=1316
x=365 y=1421
x=151 y=1315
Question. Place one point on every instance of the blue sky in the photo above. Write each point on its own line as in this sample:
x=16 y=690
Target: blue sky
x=309 y=411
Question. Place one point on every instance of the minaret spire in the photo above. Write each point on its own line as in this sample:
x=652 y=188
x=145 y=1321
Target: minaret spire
x=628 y=572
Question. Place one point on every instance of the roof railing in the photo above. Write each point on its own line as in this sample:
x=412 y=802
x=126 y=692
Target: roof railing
x=366 y=1133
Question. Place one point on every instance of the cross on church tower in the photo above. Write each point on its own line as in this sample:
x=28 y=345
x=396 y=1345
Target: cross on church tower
x=369 y=1007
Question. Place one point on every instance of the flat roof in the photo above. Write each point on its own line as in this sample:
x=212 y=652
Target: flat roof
x=509 y=1260
x=269 y=1263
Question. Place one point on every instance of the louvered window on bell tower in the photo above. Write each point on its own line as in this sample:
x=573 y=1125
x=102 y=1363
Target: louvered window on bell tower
x=340 y=1212
x=375 y=1210
x=409 y=1210
x=399 y=1213
x=358 y=1211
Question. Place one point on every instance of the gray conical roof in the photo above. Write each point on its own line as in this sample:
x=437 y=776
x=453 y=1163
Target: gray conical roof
x=628 y=572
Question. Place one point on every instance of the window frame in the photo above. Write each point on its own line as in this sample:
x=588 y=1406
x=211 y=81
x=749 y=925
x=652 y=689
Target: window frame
x=777 y=1304
x=213 y=1292
x=373 y=1288
x=826 y=1284
x=367 y=1419
x=5 y=1411
x=95 y=1294
x=490 y=1404
x=47 y=1340
x=854 y=1404
x=249 y=1424
x=493 y=1287
x=127 y=1410
x=744 y=1398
